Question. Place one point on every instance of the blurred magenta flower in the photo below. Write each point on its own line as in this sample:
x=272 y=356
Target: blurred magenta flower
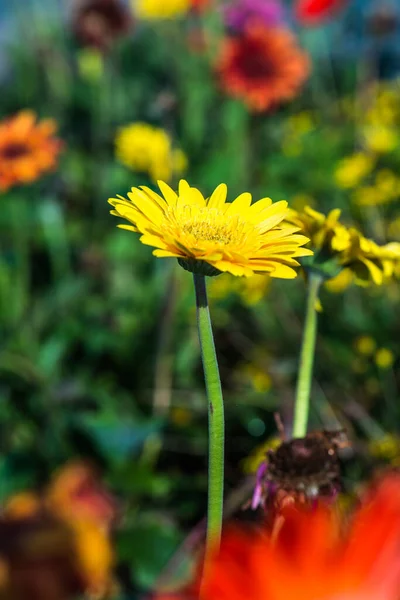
x=266 y=12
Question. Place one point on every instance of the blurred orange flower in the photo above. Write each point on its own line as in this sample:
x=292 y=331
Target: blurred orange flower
x=27 y=149
x=263 y=66
x=317 y=554
x=57 y=544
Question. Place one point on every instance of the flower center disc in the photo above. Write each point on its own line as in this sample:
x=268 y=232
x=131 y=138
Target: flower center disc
x=12 y=151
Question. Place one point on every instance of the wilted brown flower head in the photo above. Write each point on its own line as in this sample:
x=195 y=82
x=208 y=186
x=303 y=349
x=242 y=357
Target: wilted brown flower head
x=98 y=23
x=303 y=468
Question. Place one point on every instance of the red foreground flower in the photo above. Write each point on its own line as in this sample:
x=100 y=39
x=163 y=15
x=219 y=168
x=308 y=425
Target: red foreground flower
x=315 y=555
x=263 y=66
x=314 y=12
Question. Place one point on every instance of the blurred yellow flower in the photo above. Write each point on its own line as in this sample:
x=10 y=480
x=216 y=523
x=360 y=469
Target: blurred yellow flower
x=385 y=190
x=160 y=9
x=367 y=261
x=352 y=169
x=148 y=149
x=253 y=461
x=300 y=123
x=258 y=377
x=209 y=235
x=386 y=447
x=380 y=139
x=384 y=358
x=324 y=231
x=251 y=290
x=385 y=105
x=365 y=345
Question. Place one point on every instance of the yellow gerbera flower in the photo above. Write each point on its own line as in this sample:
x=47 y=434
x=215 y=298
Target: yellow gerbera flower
x=323 y=230
x=347 y=247
x=239 y=237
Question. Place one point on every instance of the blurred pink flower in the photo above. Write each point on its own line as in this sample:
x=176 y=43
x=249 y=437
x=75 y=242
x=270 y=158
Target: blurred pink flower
x=266 y=12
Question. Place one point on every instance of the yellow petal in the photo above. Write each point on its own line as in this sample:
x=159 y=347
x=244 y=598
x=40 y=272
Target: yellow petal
x=258 y=206
x=284 y=272
x=218 y=197
x=239 y=205
x=147 y=206
x=168 y=193
x=166 y=254
x=128 y=227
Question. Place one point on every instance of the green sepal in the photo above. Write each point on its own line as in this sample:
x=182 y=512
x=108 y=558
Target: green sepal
x=198 y=266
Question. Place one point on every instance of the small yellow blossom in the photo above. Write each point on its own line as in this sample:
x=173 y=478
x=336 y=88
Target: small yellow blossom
x=385 y=190
x=160 y=9
x=365 y=345
x=384 y=358
x=380 y=139
x=250 y=290
x=211 y=236
x=148 y=149
x=352 y=169
x=384 y=109
x=259 y=378
x=301 y=123
x=387 y=448
x=253 y=461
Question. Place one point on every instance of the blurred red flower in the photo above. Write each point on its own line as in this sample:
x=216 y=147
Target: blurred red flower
x=315 y=554
x=263 y=66
x=200 y=5
x=314 y=12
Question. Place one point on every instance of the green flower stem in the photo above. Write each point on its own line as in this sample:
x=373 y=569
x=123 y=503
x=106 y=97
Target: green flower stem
x=302 y=401
x=215 y=417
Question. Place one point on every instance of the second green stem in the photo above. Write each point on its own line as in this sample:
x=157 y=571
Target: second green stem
x=303 y=389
